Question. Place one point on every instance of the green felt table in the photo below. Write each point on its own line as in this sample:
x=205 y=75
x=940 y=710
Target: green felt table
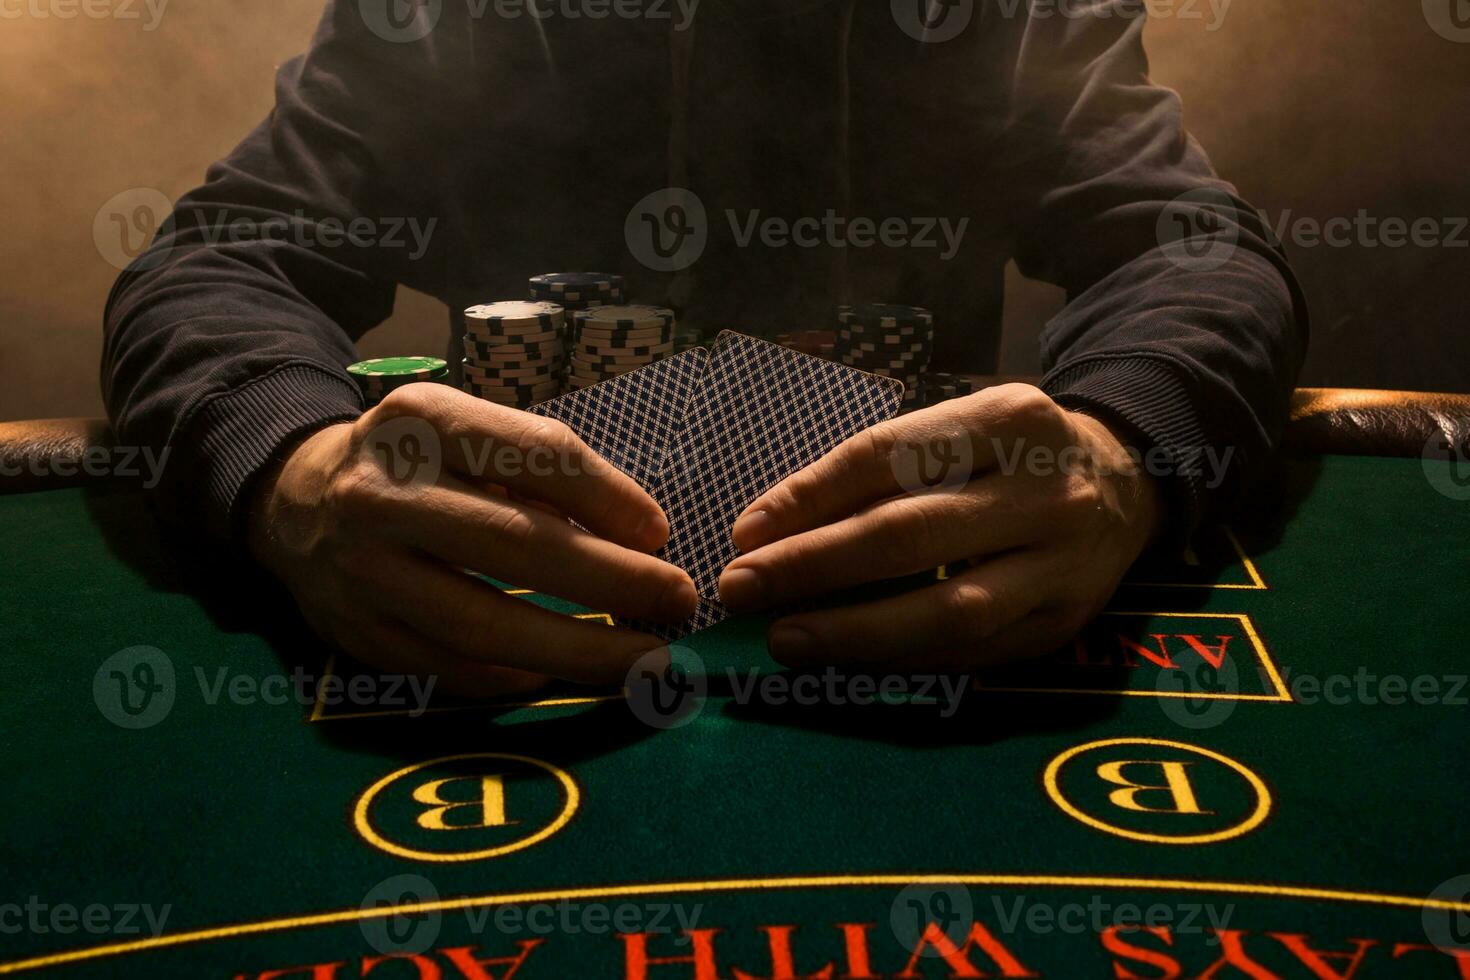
x=1255 y=764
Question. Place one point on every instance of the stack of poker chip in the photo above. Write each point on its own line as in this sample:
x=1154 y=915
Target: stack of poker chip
x=513 y=352
x=611 y=340
x=574 y=291
x=381 y=376
x=939 y=387
x=888 y=339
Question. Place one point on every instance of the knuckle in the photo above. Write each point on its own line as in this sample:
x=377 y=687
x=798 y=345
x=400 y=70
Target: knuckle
x=965 y=609
x=915 y=537
x=357 y=489
x=1028 y=405
x=514 y=527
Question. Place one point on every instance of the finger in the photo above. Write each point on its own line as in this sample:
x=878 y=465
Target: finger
x=469 y=619
x=521 y=544
x=901 y=536
x=534 y=457
x=948 y=625
x=390 y=645
x=877 y=463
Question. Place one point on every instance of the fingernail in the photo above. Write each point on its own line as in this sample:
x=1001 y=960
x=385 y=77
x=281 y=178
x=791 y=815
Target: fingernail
x=742 y=588
x=653 y=531
x=678 y=601
x=753 y=530
x=791 y=643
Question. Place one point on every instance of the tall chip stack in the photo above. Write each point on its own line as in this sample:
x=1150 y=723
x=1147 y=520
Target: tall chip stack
x=380 y=377
x=888 y=339
x=611 y=340
x=574 y=291
x=513 y=352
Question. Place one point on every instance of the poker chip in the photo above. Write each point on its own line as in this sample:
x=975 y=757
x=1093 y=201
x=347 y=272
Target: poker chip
x=563 y=282
x=885 y=316
x=381 y=376
x=399 y=368
x=621 y=318
x=514 y=351
x=887 y=339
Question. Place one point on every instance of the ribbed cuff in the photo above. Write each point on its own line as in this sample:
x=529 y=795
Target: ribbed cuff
x=234 y=436
x=1152 y=399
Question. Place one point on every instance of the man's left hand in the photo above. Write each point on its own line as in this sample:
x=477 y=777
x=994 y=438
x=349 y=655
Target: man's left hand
x=1042 y=509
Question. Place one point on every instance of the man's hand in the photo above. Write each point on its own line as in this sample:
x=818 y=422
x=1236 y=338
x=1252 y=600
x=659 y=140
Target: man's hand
x=372 y=524
x=1045 y=507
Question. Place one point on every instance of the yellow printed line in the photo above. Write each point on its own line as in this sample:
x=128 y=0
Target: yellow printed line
x=1256 y=584
x=730 y=885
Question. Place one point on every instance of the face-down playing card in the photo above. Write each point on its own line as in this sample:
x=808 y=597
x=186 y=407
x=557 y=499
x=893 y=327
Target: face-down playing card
x=630 y=420
x=761 y=413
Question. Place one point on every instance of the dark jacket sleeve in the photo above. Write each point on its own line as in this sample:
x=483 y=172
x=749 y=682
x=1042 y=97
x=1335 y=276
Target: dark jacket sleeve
x=1184 y=324
x=229 y=336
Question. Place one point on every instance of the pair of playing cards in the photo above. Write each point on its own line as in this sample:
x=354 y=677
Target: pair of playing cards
x=706 y=432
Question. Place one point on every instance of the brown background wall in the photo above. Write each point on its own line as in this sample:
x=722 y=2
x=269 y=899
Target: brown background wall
x=1319 y=107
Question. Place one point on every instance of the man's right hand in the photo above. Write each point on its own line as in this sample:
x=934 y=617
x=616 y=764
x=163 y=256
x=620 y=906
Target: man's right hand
x=372 y=524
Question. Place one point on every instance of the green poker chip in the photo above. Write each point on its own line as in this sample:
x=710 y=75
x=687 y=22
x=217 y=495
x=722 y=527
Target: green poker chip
x=400 y=369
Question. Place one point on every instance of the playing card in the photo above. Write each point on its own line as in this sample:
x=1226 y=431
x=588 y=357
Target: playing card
x=760 y=413
x=629 y=420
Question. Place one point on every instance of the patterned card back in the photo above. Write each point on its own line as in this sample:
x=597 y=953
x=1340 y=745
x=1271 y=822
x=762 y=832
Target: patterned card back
x=761 y=413
x=629 y=420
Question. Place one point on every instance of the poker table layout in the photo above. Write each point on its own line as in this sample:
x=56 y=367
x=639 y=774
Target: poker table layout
x=1253 y=764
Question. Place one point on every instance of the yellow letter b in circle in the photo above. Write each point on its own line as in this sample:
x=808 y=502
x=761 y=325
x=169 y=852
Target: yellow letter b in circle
x=491 y=804
x=1176 y=784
